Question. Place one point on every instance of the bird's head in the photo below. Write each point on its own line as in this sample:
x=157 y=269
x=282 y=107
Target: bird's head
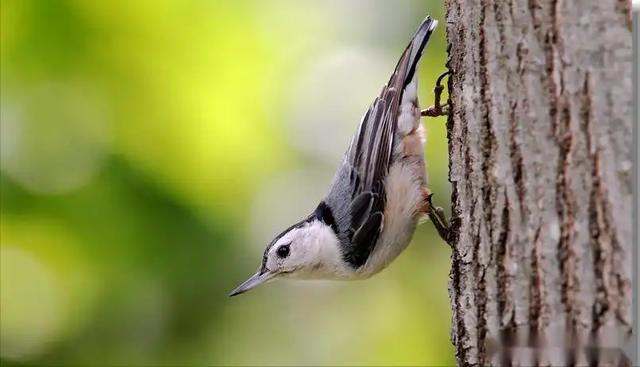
x=308 y=249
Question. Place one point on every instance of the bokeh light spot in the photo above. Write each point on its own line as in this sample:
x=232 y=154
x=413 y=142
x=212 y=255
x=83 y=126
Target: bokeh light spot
x=54 y=137
x=330 y=98
x=31 y=304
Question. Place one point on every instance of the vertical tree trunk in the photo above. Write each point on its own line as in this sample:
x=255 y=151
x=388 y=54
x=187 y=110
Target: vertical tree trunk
x=540 y=144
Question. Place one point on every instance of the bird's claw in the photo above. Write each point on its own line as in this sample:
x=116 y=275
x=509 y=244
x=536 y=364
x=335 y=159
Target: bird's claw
x=437 y=109
x=437 y=216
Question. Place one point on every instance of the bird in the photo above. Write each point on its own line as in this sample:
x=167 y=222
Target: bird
x=377 y=197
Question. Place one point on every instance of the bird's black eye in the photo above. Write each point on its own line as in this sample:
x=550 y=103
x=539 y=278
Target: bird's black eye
x=283 y=251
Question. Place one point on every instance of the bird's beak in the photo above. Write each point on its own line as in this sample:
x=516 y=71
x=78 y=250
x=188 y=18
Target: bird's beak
x=255 y=280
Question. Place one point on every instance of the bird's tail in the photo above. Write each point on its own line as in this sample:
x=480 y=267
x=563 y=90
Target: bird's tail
x=414 y=50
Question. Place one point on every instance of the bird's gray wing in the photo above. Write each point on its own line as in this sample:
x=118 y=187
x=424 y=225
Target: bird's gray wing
x=357 y=196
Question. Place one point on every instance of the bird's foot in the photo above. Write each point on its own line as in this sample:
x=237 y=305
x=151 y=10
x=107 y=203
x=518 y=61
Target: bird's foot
x=437 y=109
x=437 y=216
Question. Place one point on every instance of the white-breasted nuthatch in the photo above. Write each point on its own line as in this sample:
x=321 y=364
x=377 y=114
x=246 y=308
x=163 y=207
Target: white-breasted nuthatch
x=377 y=197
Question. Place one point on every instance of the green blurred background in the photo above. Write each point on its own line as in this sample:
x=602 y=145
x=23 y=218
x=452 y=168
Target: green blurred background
x=151 y=149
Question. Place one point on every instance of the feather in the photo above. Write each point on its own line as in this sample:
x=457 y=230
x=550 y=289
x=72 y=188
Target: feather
x=360 y=209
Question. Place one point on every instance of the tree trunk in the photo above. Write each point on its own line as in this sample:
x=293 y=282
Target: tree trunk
x=540 y=146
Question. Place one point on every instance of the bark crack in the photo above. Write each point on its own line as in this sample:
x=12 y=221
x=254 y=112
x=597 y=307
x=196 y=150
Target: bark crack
x=537 y=286
x=487 y=150
x=502 y=277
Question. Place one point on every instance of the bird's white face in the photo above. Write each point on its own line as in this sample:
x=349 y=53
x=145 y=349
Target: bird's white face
x=308 y=251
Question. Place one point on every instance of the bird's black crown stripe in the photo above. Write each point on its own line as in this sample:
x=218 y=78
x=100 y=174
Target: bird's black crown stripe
x=325 y=214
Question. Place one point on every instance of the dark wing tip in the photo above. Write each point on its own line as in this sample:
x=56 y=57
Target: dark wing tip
x=365 y=238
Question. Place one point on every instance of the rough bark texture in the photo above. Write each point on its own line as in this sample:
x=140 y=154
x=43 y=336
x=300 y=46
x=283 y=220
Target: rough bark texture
x=540 y=145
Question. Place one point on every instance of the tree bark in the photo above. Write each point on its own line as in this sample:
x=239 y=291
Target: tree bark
x=540 y=148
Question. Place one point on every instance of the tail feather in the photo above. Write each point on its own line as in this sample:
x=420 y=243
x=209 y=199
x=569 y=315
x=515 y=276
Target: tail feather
x=418 y=42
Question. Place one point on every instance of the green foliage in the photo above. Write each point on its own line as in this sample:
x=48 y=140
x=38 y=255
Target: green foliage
x=149 y=150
